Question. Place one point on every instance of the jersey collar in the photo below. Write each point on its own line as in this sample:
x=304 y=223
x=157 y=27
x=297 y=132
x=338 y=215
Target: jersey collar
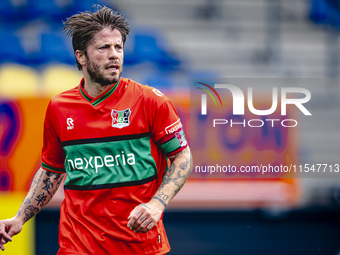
x=96 y=101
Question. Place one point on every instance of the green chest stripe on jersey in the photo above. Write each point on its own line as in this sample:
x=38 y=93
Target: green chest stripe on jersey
x=109 y=164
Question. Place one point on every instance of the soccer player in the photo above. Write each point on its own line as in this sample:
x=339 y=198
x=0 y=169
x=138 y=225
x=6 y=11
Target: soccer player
x=121 y=145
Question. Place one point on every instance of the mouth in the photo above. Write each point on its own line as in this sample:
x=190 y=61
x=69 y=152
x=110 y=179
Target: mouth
x=113 y=68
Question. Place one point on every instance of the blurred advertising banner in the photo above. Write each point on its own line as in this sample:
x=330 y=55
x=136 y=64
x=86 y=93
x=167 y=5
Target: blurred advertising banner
x=21 y=128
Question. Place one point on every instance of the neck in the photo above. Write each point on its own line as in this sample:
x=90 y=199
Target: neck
x=94 y=89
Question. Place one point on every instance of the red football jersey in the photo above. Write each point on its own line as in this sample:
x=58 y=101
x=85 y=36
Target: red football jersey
x=113 y=149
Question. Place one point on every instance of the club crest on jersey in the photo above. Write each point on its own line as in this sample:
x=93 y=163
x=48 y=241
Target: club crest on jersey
x=121 y=118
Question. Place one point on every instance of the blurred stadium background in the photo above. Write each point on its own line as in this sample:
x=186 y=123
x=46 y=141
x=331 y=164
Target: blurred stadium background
x=171 y=42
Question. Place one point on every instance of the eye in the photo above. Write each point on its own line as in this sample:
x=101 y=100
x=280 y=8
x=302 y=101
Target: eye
x=119 y=47
x=104 y=47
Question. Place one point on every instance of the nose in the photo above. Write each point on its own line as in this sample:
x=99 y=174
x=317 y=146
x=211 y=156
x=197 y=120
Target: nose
x=112 y=53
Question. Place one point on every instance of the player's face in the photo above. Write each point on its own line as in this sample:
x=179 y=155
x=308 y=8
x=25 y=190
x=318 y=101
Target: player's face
x=104 y=60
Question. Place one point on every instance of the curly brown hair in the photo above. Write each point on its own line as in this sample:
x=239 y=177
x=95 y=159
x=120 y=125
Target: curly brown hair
x=83 y=27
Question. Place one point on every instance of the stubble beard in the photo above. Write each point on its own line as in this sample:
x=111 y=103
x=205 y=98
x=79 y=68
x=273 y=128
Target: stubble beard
x=97 y=76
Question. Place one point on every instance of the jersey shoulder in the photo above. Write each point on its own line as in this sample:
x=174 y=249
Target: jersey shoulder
x=150 y=94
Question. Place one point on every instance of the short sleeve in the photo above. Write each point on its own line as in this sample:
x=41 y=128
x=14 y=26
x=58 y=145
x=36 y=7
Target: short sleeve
x=167 y=129
x=52 y=157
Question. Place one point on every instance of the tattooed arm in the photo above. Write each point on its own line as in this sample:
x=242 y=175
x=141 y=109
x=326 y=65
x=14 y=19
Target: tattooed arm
x=145 y=216
x=43 y=187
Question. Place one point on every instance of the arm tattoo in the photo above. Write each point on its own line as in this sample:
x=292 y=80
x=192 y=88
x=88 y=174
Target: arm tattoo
x=146 y=206
x=27 y=201
x=41 y=199
x=48 y=185
x=163 y=196
x=30 y=211
x=50 y=174
x=168 y=175
x=183 y=151
x=176 y=179
x=35 y=183
x=160 y=200
x=176 y=176
x=184 y=165
x=45 y=182
x=61 y=179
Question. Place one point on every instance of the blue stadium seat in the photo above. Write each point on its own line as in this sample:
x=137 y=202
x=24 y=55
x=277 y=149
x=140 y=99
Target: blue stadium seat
x=146 y=48
x=49 y=8
x=318 y=11
x=54 y=49
x=325 y=12
x=8 y=10
x=167 y=62
x=159 y=80
x=11 y=49
x=85 y=5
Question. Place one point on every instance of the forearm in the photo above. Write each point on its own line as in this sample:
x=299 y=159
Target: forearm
x=144 y=216
x=43 y=188
x=175 y=177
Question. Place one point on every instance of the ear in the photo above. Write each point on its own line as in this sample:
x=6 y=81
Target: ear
x=80 y=56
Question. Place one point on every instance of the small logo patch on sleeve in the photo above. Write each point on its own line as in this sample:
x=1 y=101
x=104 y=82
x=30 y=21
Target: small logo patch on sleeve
x=173 y=127
x=181 y=138
x=157 y=92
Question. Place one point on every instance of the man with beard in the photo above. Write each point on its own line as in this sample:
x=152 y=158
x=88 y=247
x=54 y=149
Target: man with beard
x=118 y=141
